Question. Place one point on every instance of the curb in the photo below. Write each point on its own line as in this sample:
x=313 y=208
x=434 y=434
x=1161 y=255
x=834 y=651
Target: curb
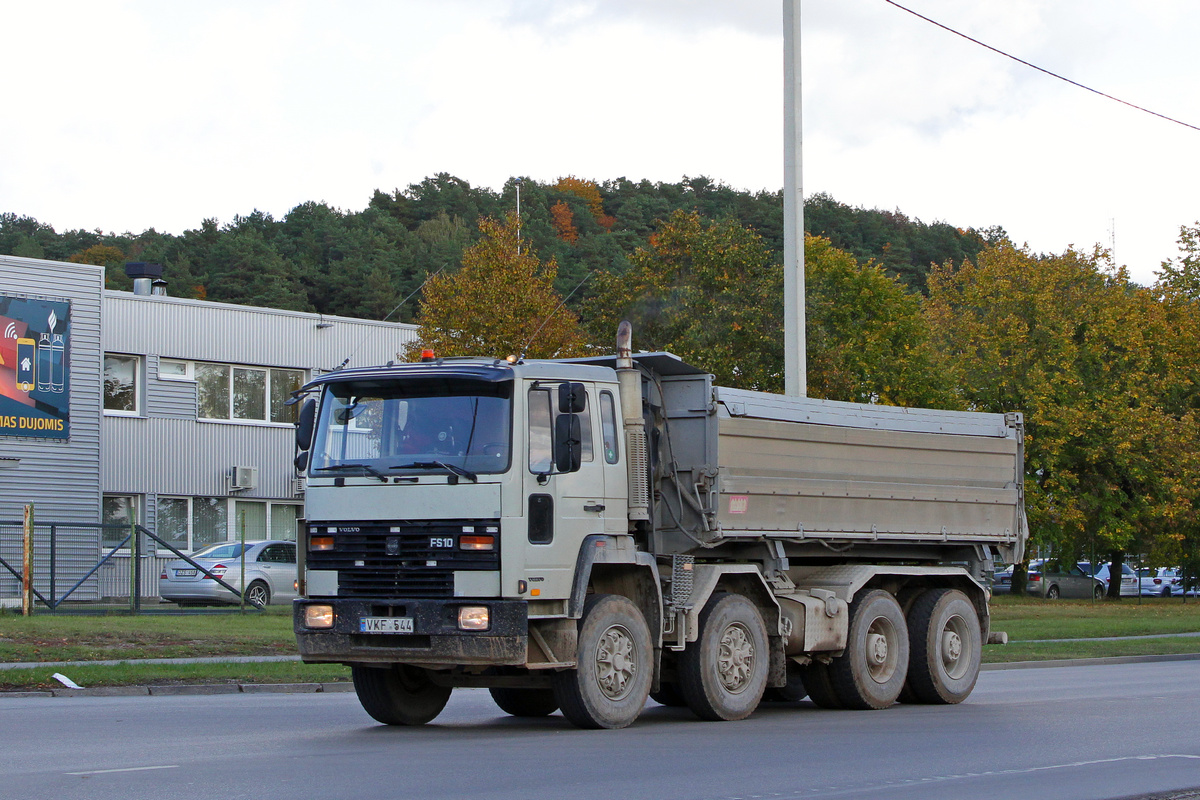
x=1085 y=662
x=189 y=689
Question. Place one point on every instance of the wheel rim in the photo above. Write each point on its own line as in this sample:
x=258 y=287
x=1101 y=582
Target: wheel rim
x=616 y=662
x=955 y=661
x=881 y=650
x=735 y=661
x=257 y=596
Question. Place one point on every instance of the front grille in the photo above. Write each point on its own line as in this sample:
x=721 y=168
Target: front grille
x=407 y=559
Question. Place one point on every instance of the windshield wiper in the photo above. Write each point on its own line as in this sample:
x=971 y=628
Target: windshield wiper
x=367 y=468
x=454 y=469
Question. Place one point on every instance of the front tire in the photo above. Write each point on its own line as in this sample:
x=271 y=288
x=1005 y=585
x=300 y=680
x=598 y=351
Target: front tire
x=611 y=681
x=872 y=671
x=525 y=702
x=401 y=695
x=723 y=675
x=946 y=647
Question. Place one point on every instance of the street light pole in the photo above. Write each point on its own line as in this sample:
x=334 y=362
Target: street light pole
x=794 y=351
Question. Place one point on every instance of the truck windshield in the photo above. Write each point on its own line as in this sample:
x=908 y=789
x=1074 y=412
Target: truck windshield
x=414 y=427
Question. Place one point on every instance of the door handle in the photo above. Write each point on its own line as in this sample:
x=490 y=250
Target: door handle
x=593 y=506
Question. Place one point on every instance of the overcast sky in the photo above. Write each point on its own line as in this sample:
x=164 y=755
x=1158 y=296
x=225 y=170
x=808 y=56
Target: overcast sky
x=128 y=115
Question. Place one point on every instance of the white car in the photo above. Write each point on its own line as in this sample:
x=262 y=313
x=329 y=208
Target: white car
x=270 y=574
x=1130 y=586
x=1159 y=581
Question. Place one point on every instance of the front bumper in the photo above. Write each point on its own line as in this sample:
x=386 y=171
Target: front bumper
x=435 y=640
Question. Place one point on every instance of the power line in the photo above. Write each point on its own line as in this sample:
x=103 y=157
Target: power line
x=1040 y=69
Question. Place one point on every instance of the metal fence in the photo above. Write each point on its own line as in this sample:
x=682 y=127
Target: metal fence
x=68 y=562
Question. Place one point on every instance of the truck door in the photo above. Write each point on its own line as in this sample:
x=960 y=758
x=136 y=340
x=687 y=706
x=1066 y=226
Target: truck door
x=561 y=508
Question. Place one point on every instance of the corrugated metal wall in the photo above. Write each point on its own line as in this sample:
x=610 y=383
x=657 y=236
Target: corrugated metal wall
x=175 y=327
x=61 y=478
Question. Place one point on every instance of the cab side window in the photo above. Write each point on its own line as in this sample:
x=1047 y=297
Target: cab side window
x=543 y=410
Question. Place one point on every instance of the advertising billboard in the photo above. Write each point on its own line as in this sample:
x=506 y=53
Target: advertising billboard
x=35 y=348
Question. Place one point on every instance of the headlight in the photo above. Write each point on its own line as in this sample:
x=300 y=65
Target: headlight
x=318 y=616
x=473 y=618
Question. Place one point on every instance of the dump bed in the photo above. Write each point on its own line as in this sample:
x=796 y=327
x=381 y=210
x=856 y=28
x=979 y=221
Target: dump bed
x=846 y=476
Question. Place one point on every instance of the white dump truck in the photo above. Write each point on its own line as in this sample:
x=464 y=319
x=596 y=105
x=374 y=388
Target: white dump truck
x=581 y=534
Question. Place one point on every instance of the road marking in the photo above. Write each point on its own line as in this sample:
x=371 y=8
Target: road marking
x=123 y=769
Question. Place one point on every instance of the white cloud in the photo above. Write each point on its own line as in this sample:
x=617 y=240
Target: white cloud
x=128 y=115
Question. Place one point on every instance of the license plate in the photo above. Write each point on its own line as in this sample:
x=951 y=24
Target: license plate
x=385 y=625
x=185 y=573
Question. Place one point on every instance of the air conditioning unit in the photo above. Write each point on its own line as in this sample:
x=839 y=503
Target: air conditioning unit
x=243 y=478
x=298 y=486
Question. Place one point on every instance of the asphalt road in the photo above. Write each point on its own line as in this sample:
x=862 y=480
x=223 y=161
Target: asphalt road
x=1068 y=733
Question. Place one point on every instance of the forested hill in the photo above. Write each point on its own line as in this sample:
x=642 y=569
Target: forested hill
x=366 y=263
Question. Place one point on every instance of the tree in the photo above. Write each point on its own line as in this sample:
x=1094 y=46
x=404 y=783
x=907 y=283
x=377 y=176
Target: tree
x=709 y=293
x=1089 y=358
x=712 y=293
x=501 y=302
x=109 y=257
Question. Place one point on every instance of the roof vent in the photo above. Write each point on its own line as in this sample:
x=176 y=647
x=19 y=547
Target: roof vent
x=144 y=276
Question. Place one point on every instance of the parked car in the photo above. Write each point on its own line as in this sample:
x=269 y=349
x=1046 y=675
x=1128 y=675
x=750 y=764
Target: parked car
x=270 y=574
x=1053 y=579
x=1130 y=587
x=1002 y=580
x=1159 y=581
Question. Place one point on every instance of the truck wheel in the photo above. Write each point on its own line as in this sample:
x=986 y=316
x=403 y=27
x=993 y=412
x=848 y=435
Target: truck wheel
x=668 y=695
x=525 y=702
x=820 y=686
x=610 y=685
x=945 y=647
x=794 y=692
x=871 y=673
x=722 y=676
x=401 y=695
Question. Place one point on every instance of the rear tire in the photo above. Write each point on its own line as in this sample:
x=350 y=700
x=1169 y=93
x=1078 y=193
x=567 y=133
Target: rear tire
x=401 y=695
x=668 y=695
x=723 y=674
x=946 y=647
x=820 y=687
x=872 y=671
x=1098 y=593
x=794 y=692
x=610 y=684
x=525 y=702
x=258 y=594
x=1052 y=592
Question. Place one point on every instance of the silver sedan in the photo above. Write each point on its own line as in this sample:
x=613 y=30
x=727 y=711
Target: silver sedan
x=270 y=569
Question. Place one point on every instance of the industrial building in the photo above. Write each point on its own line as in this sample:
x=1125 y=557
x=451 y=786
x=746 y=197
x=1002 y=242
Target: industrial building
x=122 y=407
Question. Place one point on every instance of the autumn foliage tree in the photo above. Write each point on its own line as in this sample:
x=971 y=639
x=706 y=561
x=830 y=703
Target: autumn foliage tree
x=564 y=222
x=1096 y=365
x=501 y=302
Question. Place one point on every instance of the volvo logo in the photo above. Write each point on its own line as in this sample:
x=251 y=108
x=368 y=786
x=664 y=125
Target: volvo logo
x=393 y=545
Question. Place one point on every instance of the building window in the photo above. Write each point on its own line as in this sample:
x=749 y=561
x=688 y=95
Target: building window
x=172 y=518
x=254 y=394
x=119 y=512
x=171 y=370
x=190 y=523
x=121 y=384
x=212 y=391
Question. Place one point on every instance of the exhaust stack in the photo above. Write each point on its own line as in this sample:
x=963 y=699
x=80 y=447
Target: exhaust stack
x=630 y=381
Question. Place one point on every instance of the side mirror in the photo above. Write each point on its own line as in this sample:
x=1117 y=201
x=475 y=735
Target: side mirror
x=568 y=443
x=301 y=461
x=572 y=398
x=304 y=424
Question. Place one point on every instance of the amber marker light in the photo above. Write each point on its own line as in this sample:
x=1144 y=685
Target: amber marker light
x=473 y=618
x=320 y=543
x=477 y=543
x=318 y=616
